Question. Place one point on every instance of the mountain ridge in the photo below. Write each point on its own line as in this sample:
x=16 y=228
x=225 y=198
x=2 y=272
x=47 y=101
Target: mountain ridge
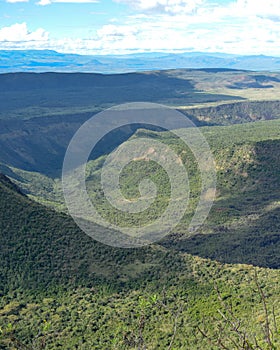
x=49 y=60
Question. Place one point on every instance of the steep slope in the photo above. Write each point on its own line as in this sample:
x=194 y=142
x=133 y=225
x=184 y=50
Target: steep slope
x=40 y=247
x=38 y=93
x=62 y=290
x=243 y=225
x=41 y=112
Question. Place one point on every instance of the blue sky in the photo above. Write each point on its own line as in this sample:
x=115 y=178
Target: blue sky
x=125 y=26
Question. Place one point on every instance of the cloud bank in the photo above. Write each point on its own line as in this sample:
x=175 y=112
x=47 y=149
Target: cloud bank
x=241 y=26
x=164 y=6
x=49 y=2
x=19 y=33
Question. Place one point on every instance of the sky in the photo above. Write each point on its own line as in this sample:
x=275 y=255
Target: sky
x=128 y=26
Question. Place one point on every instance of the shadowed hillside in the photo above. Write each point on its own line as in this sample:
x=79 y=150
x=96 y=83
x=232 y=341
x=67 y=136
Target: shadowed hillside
x=243 y=225
x=61 y=290
x=40 y=247
x=41 y=112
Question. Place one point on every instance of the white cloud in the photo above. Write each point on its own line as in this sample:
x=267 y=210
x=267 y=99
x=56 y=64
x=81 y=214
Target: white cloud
x=19 y=33
x=115 y=31
x=48 y=2
x=167 y=6
x=232 y=8
x=14 y=1
x=256 y=7
x=241 y=26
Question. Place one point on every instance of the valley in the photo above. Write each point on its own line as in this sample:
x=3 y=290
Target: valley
x=61 y=289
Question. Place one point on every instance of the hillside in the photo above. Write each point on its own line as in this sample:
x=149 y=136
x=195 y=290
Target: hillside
x=29 y=95
x=40 y=248
x=243 y=225
x=41 y=112
x=60 y=289
x=212 y=289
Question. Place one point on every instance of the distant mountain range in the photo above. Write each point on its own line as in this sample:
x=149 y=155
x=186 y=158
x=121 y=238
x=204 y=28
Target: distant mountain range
x=48 y=60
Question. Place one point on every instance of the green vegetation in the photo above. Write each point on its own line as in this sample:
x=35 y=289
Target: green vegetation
x=234 y=113
x=30 y=95
x=41 y=112
x=243 y=224
x=62 y=290
x=214 y=289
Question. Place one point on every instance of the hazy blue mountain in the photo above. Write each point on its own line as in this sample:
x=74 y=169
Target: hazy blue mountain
x=48 y=60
